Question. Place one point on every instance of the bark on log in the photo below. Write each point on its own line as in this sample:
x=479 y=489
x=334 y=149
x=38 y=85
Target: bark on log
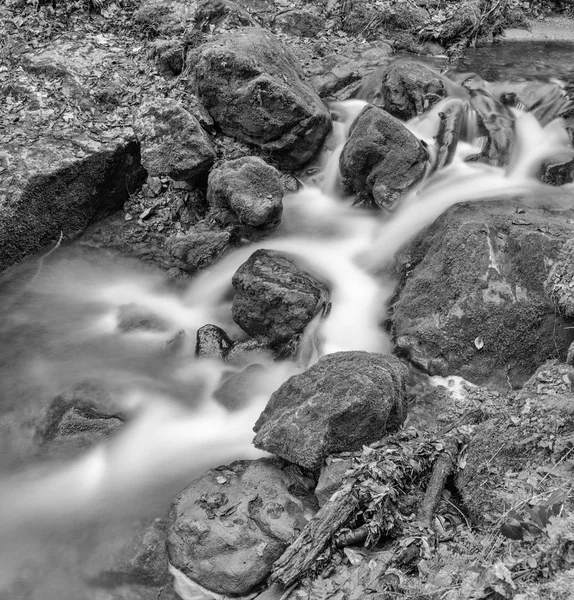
x=442 y=468
x=303 y=552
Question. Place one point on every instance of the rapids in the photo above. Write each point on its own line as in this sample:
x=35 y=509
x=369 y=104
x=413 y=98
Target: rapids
x=59 y=327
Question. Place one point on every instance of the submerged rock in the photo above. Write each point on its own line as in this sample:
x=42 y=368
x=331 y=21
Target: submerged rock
x=172 y=141
x=254 y=90
x=275 y=299
x=344 y=401
x=134 y=317
x=382 y=159
x=131 y=553
x=229 y=526
x=405 y=89
x=249 y=188
x=471 y=298
x=77 y=419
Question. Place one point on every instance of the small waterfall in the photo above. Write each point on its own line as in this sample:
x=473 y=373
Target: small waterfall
x=177 y=429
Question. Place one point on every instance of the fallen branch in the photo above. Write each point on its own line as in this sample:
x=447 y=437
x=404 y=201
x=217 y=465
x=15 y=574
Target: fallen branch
x=303 y=552
x=442 y=468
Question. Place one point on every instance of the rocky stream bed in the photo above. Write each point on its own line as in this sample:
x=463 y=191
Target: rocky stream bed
x=296 y=224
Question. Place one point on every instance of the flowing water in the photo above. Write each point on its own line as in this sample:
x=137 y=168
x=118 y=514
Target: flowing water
x=58 y=326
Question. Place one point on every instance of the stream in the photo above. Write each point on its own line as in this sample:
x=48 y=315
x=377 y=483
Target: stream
x=59 y=327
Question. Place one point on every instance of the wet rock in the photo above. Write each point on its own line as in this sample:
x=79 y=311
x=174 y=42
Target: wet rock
x=275 y=299
x=230 y=525
x=237 y=390
x=331 y=478
x=223 y=14
x=254 y=90
x=131 y=553
x=134 y=317
x=301 y=22
x=249 y=351
x=172 y=141
x=344 y=401
x=200 y=246
x=78 y=418
x=382 y=159
x=175 y=345
x=249 y=188
x=339 y=74
x=212 y=342
x=405 y=89
x=471 y=293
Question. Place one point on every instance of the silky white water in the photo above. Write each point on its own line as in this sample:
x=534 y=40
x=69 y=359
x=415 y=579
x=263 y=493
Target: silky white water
x=59 y=327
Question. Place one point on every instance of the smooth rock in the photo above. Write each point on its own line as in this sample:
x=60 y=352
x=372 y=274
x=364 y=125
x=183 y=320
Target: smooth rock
x=275 y=299
x=237 y=390
x=253 y=88
x=382 y=159
x=344 y=401
x=212 y=342
x=172 y=141
x=249 y=188
x=471 y=299
x=229 y=526
x=405 y=89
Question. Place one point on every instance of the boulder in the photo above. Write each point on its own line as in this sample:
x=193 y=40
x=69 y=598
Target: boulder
x=382 y=159
x=200 y=246
x=229 y=526
x=249 y=188
x=134 y=317
x=78 y=418
x=344 y=401
x=172 y=141
x=254 y=90
x=212 y=342
x=274 y=299
x=471 y=299
x=405 y=89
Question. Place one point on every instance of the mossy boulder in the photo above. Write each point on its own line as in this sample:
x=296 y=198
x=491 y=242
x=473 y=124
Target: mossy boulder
x=471 y=298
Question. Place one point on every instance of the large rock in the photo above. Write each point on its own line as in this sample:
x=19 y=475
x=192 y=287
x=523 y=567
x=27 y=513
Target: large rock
x=471 y=297
x=274 y=299
x=172 y=141
x=346 y=400
x=229 y=526
x=404 y=89
x=58 y=170
x=382 y=159
x=254 y=90
x=301 y=22
x=249 y=188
